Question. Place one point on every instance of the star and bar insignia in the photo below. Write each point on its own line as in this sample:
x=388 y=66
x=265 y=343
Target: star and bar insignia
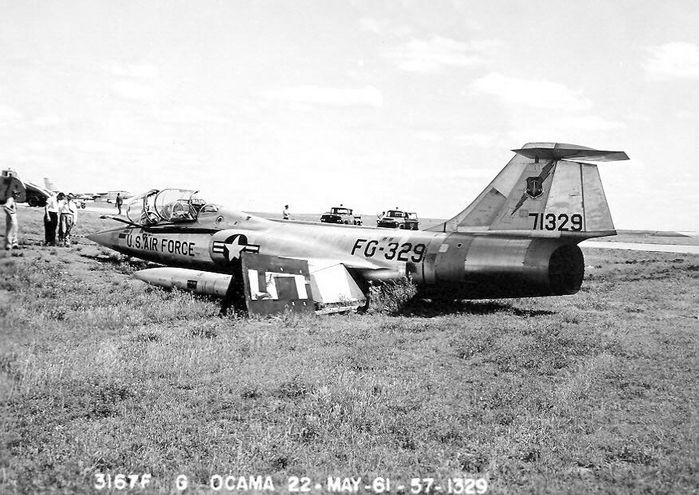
x=233 y=246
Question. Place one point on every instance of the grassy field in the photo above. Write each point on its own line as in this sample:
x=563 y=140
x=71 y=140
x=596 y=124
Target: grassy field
x=595 y=392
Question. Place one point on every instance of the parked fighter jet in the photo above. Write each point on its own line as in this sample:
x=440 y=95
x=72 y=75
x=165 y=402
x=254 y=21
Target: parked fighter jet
x=518 y=238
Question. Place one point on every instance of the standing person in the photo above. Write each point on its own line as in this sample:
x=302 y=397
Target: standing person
x=75 y=210
x=60 y=202
x=51 y=220
x=285 y=213
x=119 y=201
x=11 y=225
x=69 y=211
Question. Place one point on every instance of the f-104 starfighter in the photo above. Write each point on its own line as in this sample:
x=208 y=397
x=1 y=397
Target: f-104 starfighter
x=518 y=238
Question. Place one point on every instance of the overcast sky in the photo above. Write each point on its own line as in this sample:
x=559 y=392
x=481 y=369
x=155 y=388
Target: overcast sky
x=373 y=104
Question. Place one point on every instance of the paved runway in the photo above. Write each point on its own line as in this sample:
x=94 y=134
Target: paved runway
x=639 y=246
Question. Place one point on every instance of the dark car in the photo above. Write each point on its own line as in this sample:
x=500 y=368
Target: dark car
x=340 y=214
x=398 y=219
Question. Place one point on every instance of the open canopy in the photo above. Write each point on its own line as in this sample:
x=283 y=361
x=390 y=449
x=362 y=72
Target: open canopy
x=165 y=206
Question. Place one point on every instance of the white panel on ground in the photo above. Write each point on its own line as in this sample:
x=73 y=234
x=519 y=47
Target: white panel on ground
x=334 y=285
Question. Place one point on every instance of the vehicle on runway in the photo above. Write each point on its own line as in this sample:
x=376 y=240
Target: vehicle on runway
x=518 y=238
x=340 y=214
x=398 y=219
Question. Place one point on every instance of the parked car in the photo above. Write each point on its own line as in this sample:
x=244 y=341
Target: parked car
x=340 y=214
x=398 y=219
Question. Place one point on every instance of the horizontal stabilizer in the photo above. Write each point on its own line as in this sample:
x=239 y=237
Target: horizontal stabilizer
x=561 y=151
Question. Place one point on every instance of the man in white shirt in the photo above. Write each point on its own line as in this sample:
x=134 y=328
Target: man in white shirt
x=69 y=214
x=51 y=220
x=11 y=225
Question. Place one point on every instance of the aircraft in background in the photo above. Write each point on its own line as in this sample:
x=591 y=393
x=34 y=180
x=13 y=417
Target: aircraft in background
x=10 y=184
x=32 y=194
x=518 y=238
x=87 y=196
x=111 y=196
x=50 y=186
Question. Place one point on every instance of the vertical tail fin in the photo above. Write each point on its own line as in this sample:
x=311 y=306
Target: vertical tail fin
x=543 y=190
x=49 y=185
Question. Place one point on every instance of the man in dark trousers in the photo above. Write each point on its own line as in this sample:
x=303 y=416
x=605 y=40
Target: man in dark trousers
x=119 y=201
x=51 y=220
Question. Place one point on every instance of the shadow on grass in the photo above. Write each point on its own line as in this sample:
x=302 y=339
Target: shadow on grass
x=434 y=307
x=123 y=263
x=112 y=258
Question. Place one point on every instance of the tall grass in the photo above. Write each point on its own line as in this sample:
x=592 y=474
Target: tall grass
x=594 y=392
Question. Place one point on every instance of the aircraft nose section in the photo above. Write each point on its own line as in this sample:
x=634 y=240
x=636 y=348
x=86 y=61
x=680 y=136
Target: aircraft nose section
x=106 y=238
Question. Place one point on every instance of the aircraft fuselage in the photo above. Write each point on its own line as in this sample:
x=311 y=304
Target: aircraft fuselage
x=518 y=238
x=458 y=264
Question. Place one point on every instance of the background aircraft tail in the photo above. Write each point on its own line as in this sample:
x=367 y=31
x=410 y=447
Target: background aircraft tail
x=543 y=191
x=48 y=183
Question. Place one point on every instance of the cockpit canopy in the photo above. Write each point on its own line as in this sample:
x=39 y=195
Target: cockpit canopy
x=165 y=206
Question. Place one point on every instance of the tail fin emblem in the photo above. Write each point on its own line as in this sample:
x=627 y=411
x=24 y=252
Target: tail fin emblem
x=535 y=186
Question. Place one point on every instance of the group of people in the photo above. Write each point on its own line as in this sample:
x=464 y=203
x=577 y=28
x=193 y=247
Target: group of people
x=60 y=216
